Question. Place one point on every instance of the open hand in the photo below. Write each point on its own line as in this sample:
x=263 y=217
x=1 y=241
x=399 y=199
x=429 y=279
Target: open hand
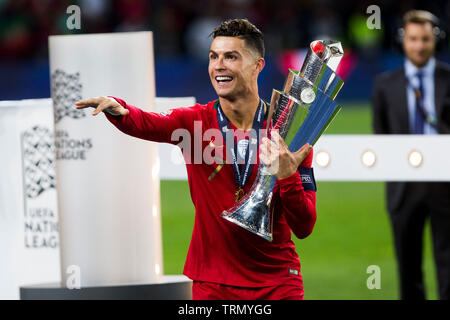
x=105 y=104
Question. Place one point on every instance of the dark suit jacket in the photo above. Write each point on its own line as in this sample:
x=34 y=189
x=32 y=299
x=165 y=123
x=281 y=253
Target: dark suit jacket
x=390 y=115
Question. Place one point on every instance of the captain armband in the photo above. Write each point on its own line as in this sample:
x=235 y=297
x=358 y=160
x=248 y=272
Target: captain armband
x=307 y=176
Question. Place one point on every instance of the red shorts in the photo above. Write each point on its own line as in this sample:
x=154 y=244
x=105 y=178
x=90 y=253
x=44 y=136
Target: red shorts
x=215 y=291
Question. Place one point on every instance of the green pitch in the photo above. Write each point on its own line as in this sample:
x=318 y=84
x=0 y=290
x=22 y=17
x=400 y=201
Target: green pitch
x=352 y=231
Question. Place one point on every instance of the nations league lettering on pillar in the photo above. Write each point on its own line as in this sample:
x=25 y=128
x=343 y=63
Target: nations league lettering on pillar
x=29 y=240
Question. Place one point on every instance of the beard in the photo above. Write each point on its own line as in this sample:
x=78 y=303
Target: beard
x=420 y=60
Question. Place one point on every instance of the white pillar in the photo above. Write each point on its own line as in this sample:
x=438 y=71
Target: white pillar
x=107 y=182
x=29 y=252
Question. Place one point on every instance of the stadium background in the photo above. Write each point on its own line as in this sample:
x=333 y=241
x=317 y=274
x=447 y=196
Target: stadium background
x=352 y=231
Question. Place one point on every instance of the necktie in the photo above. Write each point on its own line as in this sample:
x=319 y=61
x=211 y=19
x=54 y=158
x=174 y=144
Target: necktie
x=419 y=112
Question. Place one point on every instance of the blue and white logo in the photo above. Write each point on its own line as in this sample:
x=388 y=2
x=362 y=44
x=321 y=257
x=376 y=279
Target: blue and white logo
x=242 y=147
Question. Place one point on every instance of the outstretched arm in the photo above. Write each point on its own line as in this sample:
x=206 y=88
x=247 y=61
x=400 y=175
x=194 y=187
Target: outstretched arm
x=105 y=104
x=138 y=123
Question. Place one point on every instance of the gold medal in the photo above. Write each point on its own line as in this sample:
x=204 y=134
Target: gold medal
x=239 y=195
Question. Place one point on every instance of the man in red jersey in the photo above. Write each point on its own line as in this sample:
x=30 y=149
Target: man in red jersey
x=224 y=260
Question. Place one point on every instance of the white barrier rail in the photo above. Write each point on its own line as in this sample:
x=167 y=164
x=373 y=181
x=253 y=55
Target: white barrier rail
x=360 y=158
x=382 y=158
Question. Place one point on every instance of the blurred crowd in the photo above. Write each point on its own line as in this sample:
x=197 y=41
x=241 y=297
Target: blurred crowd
x=181 y=27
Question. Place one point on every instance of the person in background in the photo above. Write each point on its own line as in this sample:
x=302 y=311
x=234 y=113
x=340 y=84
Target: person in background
x=415 y=99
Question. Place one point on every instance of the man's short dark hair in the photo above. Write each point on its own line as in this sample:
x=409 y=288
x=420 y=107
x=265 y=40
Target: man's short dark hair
x=242 y=29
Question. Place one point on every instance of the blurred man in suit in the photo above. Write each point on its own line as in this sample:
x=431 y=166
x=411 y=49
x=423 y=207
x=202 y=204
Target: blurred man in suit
x=415 y=99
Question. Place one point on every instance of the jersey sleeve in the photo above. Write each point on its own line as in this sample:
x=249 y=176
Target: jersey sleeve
x=299 y=202
x=158 y=127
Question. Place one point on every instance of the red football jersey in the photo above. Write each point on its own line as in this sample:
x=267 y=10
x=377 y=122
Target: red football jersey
x=220 y=251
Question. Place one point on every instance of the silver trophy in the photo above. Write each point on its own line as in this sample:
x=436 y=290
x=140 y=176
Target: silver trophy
x=301 y=113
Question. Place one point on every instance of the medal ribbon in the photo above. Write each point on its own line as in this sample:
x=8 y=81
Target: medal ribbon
x=242 y=174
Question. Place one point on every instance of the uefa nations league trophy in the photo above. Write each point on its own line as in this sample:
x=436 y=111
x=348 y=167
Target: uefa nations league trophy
x=301 y=113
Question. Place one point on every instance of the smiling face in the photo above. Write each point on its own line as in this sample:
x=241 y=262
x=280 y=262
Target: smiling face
x=419 y=43
x=233 y=68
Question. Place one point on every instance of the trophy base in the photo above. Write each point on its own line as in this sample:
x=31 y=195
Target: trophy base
x=263 y=234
